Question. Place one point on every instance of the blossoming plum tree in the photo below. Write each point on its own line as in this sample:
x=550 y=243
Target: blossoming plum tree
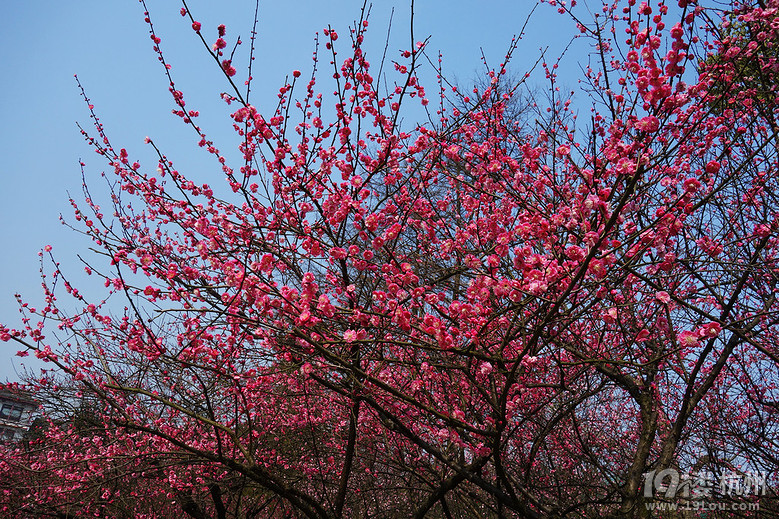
x=473 y=316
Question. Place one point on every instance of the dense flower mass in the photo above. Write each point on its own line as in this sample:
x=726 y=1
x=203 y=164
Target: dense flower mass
x=494 y=313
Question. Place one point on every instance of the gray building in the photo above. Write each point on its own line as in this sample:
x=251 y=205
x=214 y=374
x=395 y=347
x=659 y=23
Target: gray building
x=17 y=410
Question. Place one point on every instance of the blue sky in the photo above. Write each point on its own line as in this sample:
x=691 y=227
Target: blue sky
x=106 y=43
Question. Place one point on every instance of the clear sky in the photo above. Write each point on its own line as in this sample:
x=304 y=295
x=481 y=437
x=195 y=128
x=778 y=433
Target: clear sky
x=106 y=43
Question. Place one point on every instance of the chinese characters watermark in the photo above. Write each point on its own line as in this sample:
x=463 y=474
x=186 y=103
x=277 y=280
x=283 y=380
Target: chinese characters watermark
x=695 y=489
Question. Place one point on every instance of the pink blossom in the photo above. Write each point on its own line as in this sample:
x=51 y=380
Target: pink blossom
x=688 y=339
x=691 y=185
x=712 y=167
x=338 y=253
x=649 y=124
x=762 y=230
x=575 y=253
x=432 y=274
x=710 y=330
x=228 y=68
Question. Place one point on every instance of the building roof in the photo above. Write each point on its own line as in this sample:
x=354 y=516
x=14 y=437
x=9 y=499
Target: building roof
x=22 y=397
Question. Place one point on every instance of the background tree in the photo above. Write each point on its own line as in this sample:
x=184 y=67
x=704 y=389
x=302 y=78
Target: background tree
x=748 y=59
